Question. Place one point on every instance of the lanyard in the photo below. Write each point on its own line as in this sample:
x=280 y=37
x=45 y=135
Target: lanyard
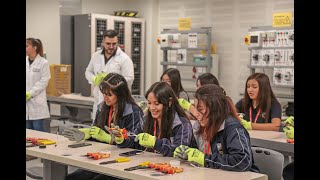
x=255 y=120
x=206 y=145
x=110 y=116
x=155 y=129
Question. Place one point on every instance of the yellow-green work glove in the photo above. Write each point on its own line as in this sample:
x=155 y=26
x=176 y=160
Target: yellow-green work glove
x=289 y=121
x=98 y=78
x=180 y=152
x=146 y=140
x=86 y=132
x=118 y=136
x=184 y=104
x=194 y=155
x=289 y=131
x=246 y=124
x=100 y=134
x=28 y=96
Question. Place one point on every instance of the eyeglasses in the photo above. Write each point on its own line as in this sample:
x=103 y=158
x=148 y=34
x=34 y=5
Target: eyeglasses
x=111 y=44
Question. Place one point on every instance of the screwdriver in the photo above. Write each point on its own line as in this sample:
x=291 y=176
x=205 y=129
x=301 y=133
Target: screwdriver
x=118 y=160
x=143 y=165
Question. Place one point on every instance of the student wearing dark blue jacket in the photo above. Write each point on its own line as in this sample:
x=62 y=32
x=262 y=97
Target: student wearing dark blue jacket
x=118 y=108
x=221 y=141
x=166 y=125
x=259 y=108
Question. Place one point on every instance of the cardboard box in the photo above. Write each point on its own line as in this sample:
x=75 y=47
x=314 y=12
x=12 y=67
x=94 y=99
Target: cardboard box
x=60 y=81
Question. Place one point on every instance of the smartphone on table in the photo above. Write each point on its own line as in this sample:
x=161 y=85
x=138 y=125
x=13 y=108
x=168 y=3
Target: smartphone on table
x=131 y=153
x=79 y=145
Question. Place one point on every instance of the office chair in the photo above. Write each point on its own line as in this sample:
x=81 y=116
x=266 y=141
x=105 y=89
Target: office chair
x=269 y=162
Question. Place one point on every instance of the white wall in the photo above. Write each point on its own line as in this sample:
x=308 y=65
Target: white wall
x=43 y=22
x=148 y=9
x=230 y=21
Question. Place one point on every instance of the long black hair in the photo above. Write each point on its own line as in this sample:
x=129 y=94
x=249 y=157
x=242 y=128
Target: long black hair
x=265 y=94
x=174 y=76
x=165 y=96
x=218 y=107
x=118 y=85
x=207 y=78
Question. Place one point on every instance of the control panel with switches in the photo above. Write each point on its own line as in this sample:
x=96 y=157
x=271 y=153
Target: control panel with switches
x=273 y=48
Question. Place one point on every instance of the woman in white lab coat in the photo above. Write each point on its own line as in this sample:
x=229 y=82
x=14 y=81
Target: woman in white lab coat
x=37 y=78
x=110 y=59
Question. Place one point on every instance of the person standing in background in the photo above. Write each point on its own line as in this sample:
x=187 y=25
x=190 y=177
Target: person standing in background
x=110 y=59
x=37 y=78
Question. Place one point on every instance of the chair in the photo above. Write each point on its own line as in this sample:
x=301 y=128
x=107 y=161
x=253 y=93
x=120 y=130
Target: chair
x=269 y=162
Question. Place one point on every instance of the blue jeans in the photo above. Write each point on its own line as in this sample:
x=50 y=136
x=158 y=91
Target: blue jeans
x=35 y=125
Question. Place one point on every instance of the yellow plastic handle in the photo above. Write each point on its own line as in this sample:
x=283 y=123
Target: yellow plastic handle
x=46 y=142
x=144 y=163
x=123 y=159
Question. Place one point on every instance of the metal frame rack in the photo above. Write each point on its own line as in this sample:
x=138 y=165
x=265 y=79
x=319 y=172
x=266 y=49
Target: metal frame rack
x=203 y=38
x=268 y=56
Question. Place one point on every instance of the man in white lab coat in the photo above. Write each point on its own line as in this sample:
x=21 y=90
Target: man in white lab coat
x=110 y=59
x=37 y=78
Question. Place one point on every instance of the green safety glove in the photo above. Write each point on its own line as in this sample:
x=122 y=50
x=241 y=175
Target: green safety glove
x=289 y=121
x=118 y=136
x=194 y=155
x=246 y=124
x=180 y=152
x=289 y=131
x=99 y=134
x=28 y=95
x=86 y=132
x=97 y=79
x=146 y=140
x=184 y=104
x=75 y=134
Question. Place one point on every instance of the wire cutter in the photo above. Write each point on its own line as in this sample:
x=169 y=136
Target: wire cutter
x=144 y=165
x=118 y=160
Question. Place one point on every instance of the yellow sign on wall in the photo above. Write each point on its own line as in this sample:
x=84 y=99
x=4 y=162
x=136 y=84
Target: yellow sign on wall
x=282 y=19
x=184 y=24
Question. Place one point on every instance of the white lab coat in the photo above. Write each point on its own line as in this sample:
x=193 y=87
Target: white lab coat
x=37 y=78
x=120 y=63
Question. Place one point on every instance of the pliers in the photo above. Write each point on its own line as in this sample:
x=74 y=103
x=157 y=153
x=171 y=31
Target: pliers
x=144 y=165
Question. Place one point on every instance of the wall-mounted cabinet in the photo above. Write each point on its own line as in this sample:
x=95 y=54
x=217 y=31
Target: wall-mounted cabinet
x=190 y=52
x=88 y=35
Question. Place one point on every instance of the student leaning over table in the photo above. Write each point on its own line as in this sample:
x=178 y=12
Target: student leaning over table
x=166 y=125
x=203 y=79
x=222 y=142
x=118 y=108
